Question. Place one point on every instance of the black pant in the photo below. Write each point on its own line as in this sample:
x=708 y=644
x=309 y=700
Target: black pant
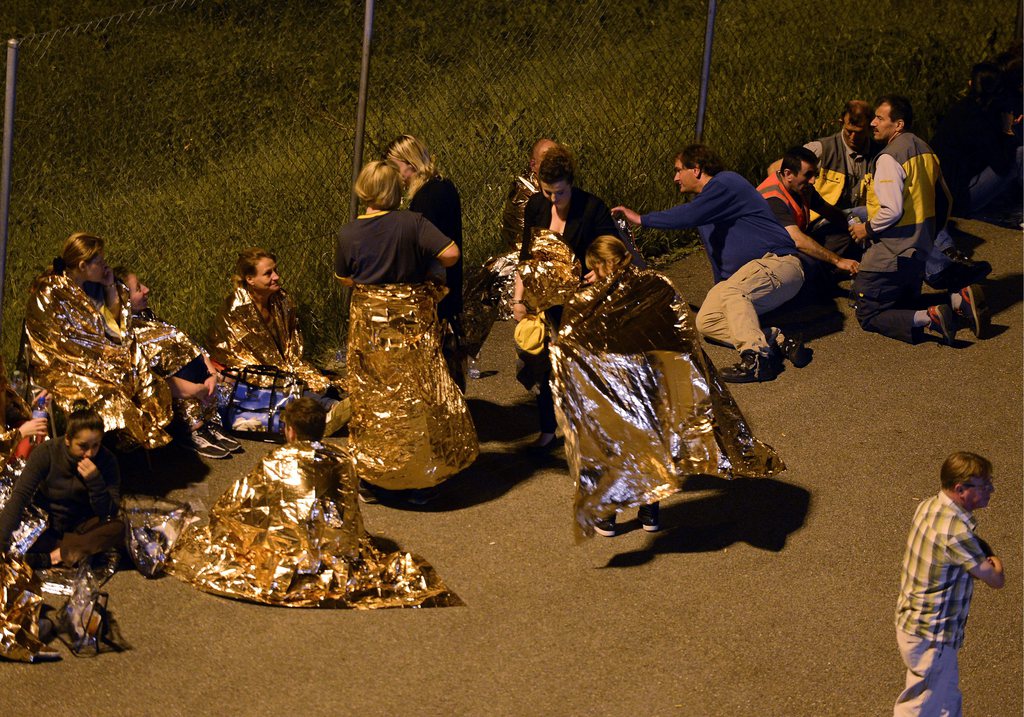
x=887 y=300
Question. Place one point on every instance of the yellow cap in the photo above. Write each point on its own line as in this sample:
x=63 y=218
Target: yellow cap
x=529 y=335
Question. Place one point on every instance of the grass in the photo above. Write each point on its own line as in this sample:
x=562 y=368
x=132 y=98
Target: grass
x=184 y=135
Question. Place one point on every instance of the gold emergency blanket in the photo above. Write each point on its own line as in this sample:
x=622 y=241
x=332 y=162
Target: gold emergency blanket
x=20 y=602
x=488 y=298
x=70 y=355
x=290 y=534
x=519 y=194
x=410 y=425
x=167 y=349
x=640 y=404
x=552 y=273
x=240 y=337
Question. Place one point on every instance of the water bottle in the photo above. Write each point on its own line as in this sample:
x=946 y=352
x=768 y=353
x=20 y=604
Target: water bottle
x=853 y=219
x=39 y=411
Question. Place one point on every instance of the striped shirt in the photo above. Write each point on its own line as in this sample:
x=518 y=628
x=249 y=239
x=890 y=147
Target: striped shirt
x=935 y=587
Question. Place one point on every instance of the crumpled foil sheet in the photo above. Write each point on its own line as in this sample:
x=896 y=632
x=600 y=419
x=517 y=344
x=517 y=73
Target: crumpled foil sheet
x=70 y=355
x=20 y=603
x=290 y=534
x=488 y=298
x=552 y=273
x=639 y=402
x=154 y=525
x=168 y=350
x=239 y=337
x=410 y=425
x=629 y=239
x=519 y=193
x=33 y=520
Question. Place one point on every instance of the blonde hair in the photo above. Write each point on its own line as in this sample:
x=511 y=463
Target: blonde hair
x=962 y=466
x=412 y=151
x=79 y=247
x=608 y=251
x=246 y=265
x=379 y=186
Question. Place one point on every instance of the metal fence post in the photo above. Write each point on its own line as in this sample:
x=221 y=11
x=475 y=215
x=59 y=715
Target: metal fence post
x=705 y=75
x=8 y=151
x=364 y=80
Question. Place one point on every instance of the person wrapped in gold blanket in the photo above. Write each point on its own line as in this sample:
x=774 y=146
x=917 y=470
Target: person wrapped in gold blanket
x=639 y=402
x=80 y=345
x=258 y=325
x=290 y=534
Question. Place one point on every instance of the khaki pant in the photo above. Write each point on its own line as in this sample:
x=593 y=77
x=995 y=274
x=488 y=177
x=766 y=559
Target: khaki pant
x=730 y=310
x=933 y=678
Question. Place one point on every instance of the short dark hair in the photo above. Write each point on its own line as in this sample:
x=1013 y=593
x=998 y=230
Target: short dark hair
x=82 y=418
x=794 y=158
x=859 y=112
x=307 y=418
x=899 y=109
x=986 y=81
x=962 y=466
x=558 y=165
x=700 y=155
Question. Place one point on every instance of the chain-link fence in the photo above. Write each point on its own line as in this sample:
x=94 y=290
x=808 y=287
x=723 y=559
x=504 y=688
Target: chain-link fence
x=781 y=75
x=191 y=129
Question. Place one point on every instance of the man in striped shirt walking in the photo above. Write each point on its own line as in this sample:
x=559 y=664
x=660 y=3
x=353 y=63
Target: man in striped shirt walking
x=944 y=556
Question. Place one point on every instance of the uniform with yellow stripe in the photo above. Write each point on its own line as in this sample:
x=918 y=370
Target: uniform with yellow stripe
x=924 y=205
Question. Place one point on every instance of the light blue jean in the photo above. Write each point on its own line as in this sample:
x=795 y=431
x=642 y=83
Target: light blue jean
x=983 y=188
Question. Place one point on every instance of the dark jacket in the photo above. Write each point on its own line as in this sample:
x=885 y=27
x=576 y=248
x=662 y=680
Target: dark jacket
x=51 y=480
x=438 y=201
x=588 y=219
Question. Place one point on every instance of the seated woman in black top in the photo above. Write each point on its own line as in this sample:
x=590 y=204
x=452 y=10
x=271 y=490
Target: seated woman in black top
x=77 y=482
x=578 y=217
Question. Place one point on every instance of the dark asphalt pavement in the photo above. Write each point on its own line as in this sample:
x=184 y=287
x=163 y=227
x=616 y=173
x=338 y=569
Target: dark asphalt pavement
x=760 y=598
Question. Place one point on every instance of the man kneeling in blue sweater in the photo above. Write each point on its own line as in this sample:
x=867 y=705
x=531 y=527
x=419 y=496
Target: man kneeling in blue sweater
x=753 y=258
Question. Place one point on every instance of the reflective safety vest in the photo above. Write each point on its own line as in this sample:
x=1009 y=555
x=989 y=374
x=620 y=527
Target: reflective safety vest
x=773 y=187
x=925 y=204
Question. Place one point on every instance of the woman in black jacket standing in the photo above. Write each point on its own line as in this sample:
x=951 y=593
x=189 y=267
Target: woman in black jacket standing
x=578 y=218
x=437 y=199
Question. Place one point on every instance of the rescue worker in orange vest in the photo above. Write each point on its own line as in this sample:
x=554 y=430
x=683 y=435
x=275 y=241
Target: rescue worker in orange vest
x=792 y=196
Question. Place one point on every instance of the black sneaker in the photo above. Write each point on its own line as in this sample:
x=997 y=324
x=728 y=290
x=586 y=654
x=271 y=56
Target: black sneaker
x=200 y=442
x=606 y=527
x=798 y=354
x=650 y=517
x=223 y=440
x=943 y=324
x=974 y=311
x=752 y=368
x=422 y=496
x=962 y=272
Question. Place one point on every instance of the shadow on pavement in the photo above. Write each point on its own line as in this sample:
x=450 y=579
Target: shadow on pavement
x=160 y=471
x=1004 y=292
x=761 y=512
x=491 y=476
x=495 y=422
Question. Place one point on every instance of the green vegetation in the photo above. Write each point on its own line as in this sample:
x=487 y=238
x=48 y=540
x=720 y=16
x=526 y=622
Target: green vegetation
x=186 y=133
